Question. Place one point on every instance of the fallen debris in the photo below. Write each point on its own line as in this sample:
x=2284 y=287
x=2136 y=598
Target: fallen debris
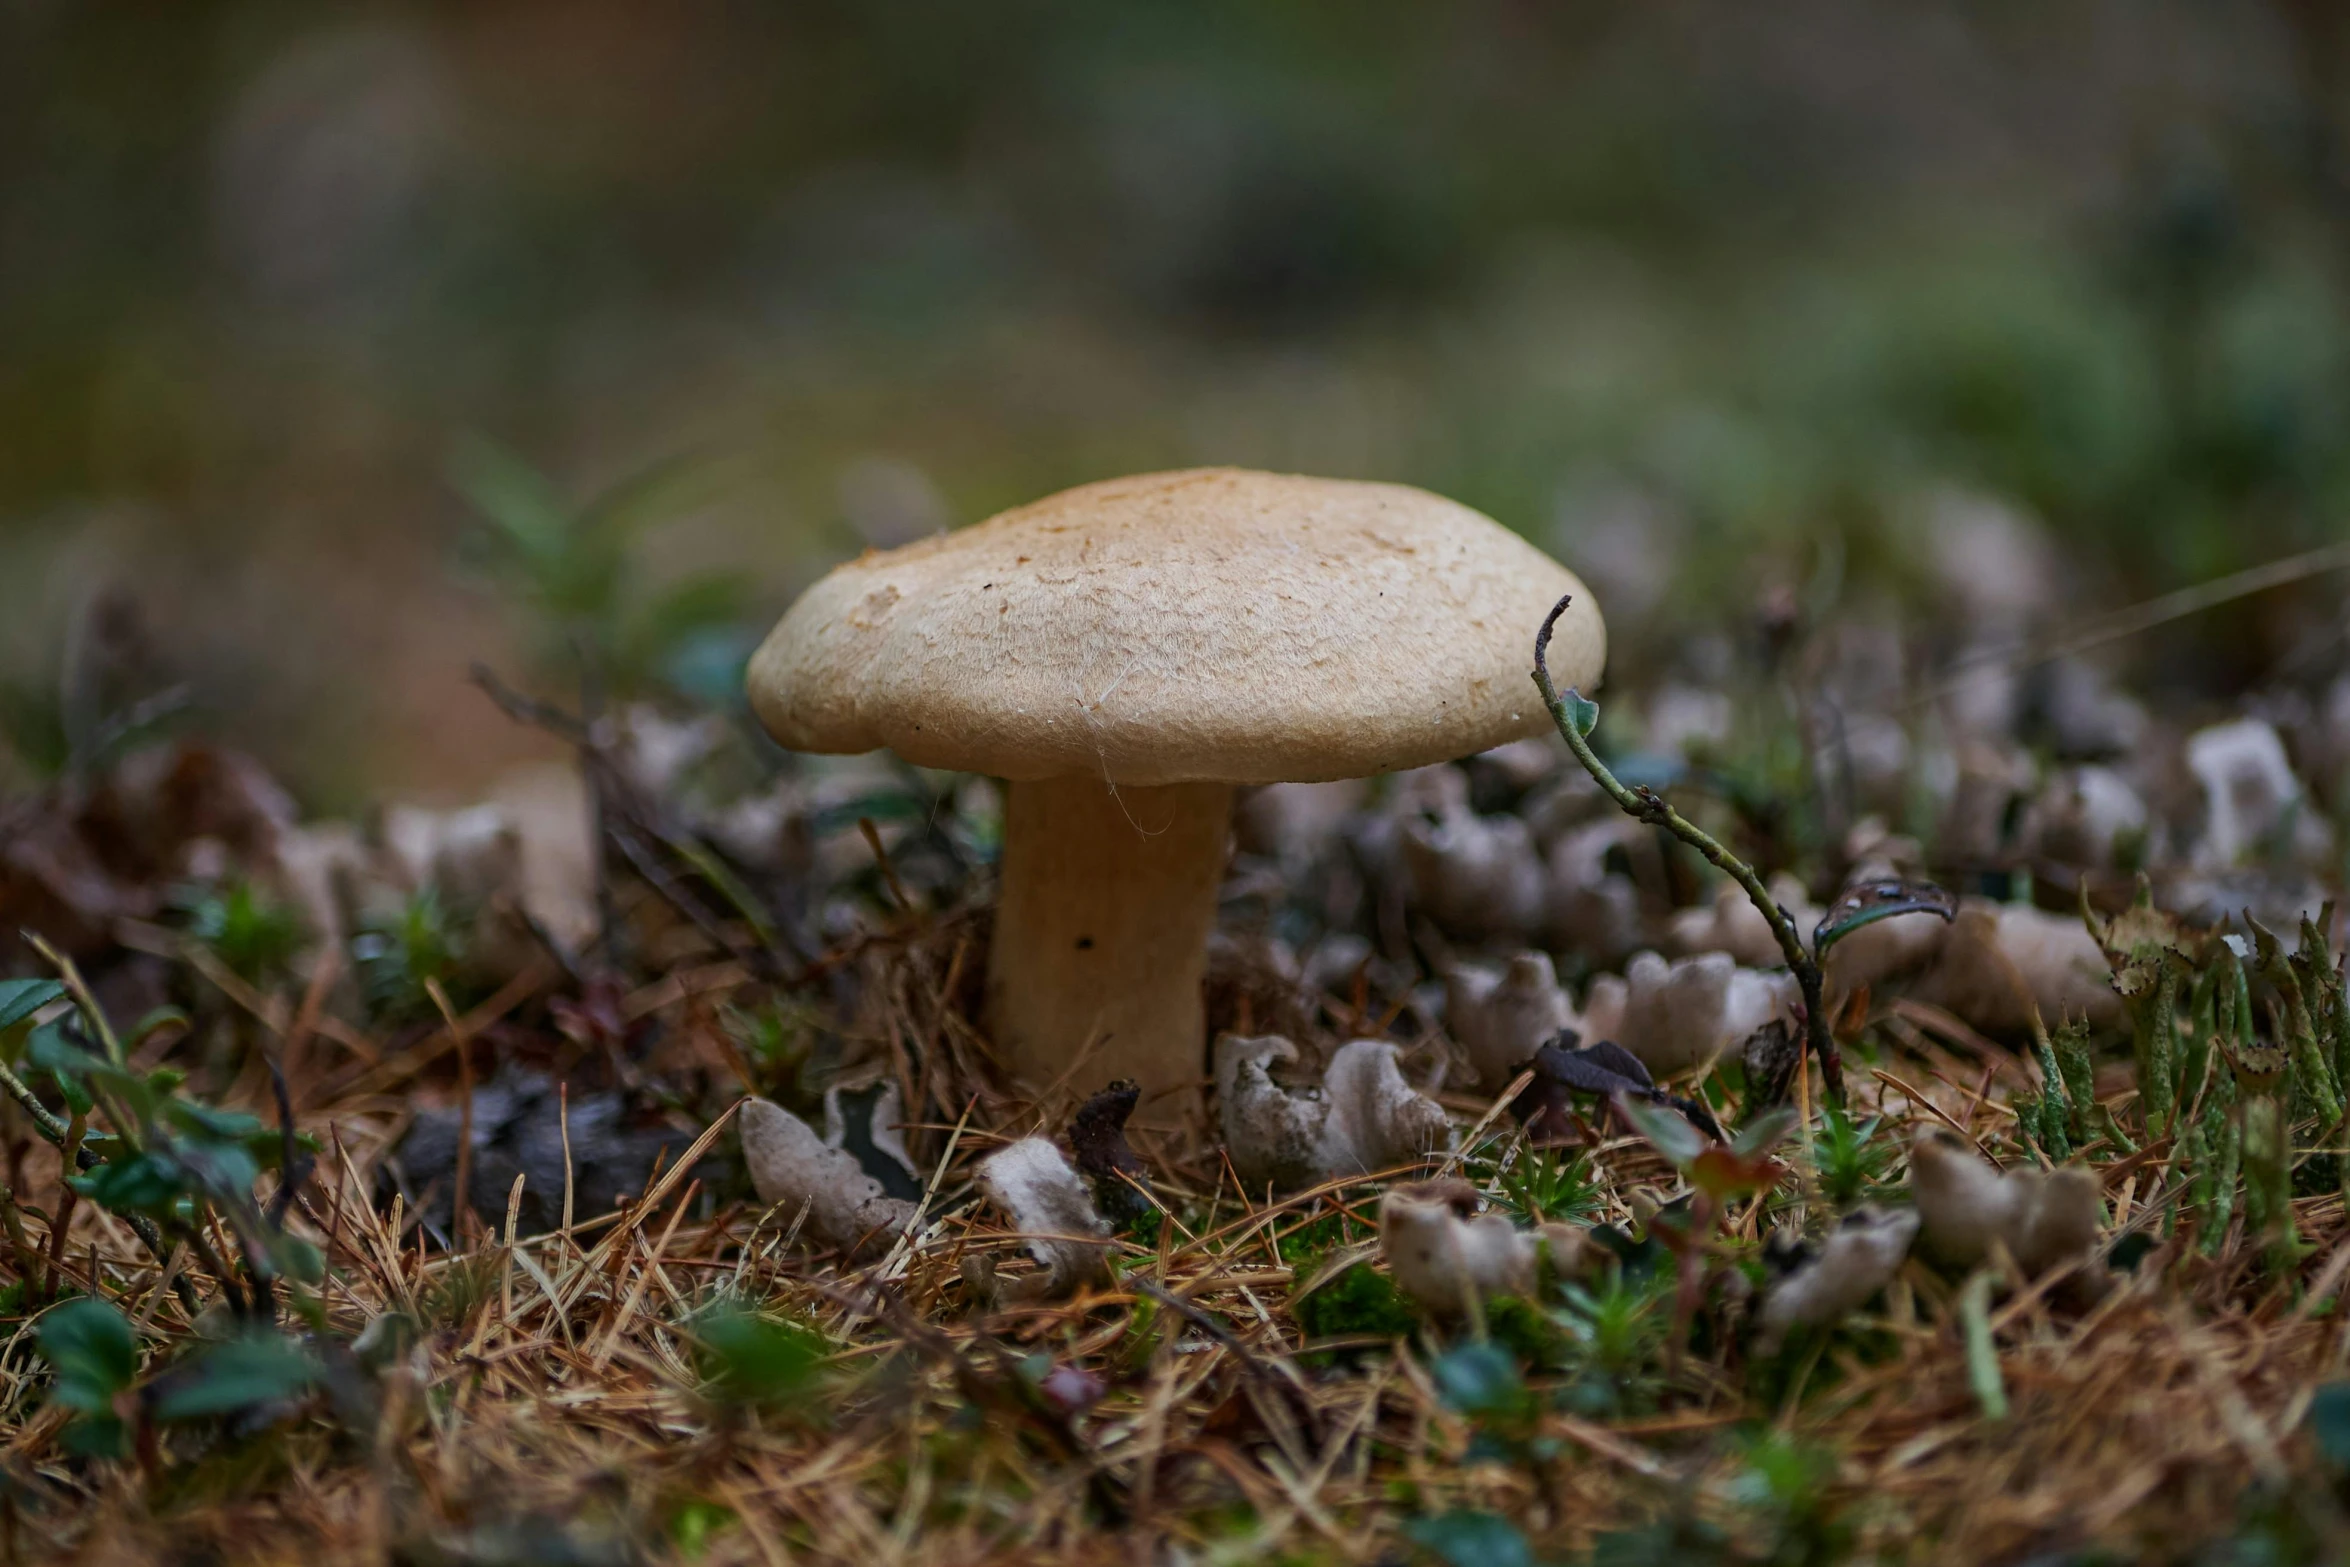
x=798 y=1172
x=1502 y=1019
x=1680 y=1017
x=1966 y=1205
x=1363 y=1117
x=1855 y=1260
x=1450 y=1259
x=1097 y=1136
x=1051 y=1212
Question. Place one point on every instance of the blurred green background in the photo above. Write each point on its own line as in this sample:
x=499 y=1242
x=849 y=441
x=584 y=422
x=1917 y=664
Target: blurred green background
x=1704 y=296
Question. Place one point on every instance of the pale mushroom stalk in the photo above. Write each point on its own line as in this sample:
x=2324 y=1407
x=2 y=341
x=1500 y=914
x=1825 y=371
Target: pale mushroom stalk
x=1107 y=898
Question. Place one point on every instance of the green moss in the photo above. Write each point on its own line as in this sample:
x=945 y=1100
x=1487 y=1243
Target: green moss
x=1362 y=1300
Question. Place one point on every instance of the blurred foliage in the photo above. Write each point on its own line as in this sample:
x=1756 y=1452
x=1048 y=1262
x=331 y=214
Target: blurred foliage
x=577 y=569
x=399 y=951
x=254 y=934
x=749 y=1360
x=892 y=266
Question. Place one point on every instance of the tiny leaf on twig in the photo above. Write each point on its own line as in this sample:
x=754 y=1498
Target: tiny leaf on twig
x=1865 y=903
x=1602 y=1068
x=1680 y=1143
x=21 y=998
x=1581 y=711
x=1763 y=1133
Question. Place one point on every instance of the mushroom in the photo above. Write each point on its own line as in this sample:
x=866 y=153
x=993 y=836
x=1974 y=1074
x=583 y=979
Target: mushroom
x=1123 y=654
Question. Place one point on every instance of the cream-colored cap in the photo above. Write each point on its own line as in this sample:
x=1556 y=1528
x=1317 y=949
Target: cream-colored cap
x=1210 y=625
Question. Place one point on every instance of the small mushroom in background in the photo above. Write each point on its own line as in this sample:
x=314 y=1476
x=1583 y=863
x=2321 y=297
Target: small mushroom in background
x=1377 y=1119
x=1478 y=877
x=2083 y=816
x=1295 y=823
x=1680 y=1017
x=1124 y=653
x=1365 y=1116
x=1270 y=1134
x=870 y=1123
x=1450 y=1259
x=1732 y=924
x=1591 y=909
x=794 y=1169
x=1853 y=1262
x=523 y=857
x=1501 y=1019
x=1999 y=961
x=1047 y=1203
x=2253 y=802
x=1965 y=1203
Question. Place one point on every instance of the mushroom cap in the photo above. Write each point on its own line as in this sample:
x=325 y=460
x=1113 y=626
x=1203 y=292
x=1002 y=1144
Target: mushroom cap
x=1209 y=625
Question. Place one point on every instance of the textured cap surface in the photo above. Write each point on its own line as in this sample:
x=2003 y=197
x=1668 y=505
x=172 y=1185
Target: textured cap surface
x=1215 y=624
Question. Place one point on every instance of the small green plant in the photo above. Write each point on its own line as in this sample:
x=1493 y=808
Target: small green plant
x=1465 y=1538
x=93 y=1358
x=777 y=1042
x=750 y=1360
x=1482 y=1382
x=1850 y=1159
x=1615 y=1331
x=1718 y=1173
x=176 y=1169
x=256 y=936
x=576 y=567
x=1548 y=1184
x=1785 y=1491
x=94 y=1361
x=399 y=953
x=696 y=1524
x=1359 y=1300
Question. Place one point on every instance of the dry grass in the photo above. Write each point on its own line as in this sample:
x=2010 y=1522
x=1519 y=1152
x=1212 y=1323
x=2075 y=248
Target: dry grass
x=553 y=1407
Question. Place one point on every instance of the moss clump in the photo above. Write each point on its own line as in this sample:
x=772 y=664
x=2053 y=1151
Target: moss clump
x=1360 y=1301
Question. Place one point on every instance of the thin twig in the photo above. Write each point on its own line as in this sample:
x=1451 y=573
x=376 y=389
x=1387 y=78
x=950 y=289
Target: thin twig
x=1644 y=804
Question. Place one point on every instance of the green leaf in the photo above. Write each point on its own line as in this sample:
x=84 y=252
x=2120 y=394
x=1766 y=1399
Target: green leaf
x=1670 y=1135
x=92 y=1350
x=1722 y=1172
x=513 y=497
x=1865 y=903
x=225 y=1170
x=143 y=1183
x=1478 y=1379
x=202 y=1120
x=21 y=998
x=750 y=1359
x=97 y=1436
x=51 y=1051
x=1763 y=1133
x=297 y=1259
x=153 y=1023
x=2329 y=1422
x=262 y=1368
x=1582 y=713
x=1468 y=1539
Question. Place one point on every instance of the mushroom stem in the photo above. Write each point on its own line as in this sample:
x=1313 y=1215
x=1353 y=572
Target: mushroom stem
x=1101 y=935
